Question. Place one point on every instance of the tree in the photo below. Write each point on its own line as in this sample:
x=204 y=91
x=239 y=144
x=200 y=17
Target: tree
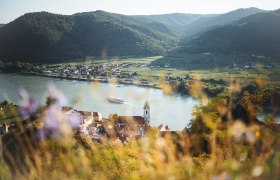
x=269 y=119
x=5 y=104
x=113 y=117
x=50 y=101
x=1 y=64
x=182 y=88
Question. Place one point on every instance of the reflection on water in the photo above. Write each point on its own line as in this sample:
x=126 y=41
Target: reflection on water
x=174 y=111
x=262 y=116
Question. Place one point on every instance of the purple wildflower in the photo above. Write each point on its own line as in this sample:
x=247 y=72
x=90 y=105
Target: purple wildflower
x=41 y=135
x=58 y=124
x=27 y=104
x=74 y=120
x=52 y=119
x=57 y=95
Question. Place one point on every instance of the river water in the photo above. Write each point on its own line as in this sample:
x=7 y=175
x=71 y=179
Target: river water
x=174 y=111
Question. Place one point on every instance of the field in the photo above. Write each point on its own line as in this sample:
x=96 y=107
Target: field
x=148 y=69
x=271 y=76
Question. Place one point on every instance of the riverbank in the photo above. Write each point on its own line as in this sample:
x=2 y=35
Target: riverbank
x=101 y=80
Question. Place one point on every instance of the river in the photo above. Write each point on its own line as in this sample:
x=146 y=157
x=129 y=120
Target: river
x=174 y=111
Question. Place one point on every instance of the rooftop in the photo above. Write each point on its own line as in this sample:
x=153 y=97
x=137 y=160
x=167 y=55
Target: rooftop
x=131 y=119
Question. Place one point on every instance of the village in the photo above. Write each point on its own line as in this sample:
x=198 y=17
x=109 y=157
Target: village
x=103 y=72
x=121 y=72
x=121 y=128
x=143 y=72
x=94 y=126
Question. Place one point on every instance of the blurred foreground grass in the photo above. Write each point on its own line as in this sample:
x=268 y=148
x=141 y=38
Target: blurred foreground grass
x=224 y=140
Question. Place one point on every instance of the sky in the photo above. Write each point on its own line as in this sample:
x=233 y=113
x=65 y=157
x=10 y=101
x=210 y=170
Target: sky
x=12 y=9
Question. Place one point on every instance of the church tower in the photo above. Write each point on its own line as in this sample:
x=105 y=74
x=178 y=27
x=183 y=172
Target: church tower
x=147 y=112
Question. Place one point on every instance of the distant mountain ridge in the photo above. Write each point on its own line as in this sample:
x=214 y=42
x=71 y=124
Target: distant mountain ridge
x=255 y=34
x=254 y=38
x=178 y=21
x=46 y=38
x=206 y=23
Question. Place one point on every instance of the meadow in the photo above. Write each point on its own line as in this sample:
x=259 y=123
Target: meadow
x=157 y=75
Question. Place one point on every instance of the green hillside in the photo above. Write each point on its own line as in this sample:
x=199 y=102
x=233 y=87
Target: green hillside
x=209 y=22
x=45 y=37
x=252 y=39
x=177 y=21
x=256 y=34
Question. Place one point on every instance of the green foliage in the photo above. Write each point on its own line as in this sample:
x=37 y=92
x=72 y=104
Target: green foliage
x=209 y=22
x=241 y=36
x=210 y=89
x=253 y=35
x=17 y=67
x=44 y=37
x=182 y=88
x=213 y=90
x=177 y=22
x=269 y=119
x=9 y=112
x=215 y=145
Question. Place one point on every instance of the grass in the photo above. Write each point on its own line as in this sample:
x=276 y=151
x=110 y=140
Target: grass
x=112 y=60
x=209 y=149
x=9 y=114
x=196 y=69
x=213 y=149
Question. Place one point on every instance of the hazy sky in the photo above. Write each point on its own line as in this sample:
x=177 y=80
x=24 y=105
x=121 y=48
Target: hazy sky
x=11 y=9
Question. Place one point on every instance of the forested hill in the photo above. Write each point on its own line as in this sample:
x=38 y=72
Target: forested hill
x=47 y=38
x=256 y=34
x=44 y=37
x=176 y=21
x=1 y=25
x=208 y=22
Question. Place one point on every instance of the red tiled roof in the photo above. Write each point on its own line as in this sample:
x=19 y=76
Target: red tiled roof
x=131 y=119
x=95 y=114
x=66 y=108
x=85 y=113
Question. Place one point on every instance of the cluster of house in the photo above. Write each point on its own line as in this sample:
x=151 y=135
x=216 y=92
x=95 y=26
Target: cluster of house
x=93 y=71
x=241 y=67
x=89 y=71
x=160 y=66
x=93 y=125
x=103 y=73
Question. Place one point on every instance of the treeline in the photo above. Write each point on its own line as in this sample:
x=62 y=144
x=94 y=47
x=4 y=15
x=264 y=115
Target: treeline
x=234 y=106
x=17 y=67
x=184 y=87
x=44 y=37
x=253 y=35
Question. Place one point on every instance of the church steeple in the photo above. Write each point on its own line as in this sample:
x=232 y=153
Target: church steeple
x=146 y=105
x=146 y=112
